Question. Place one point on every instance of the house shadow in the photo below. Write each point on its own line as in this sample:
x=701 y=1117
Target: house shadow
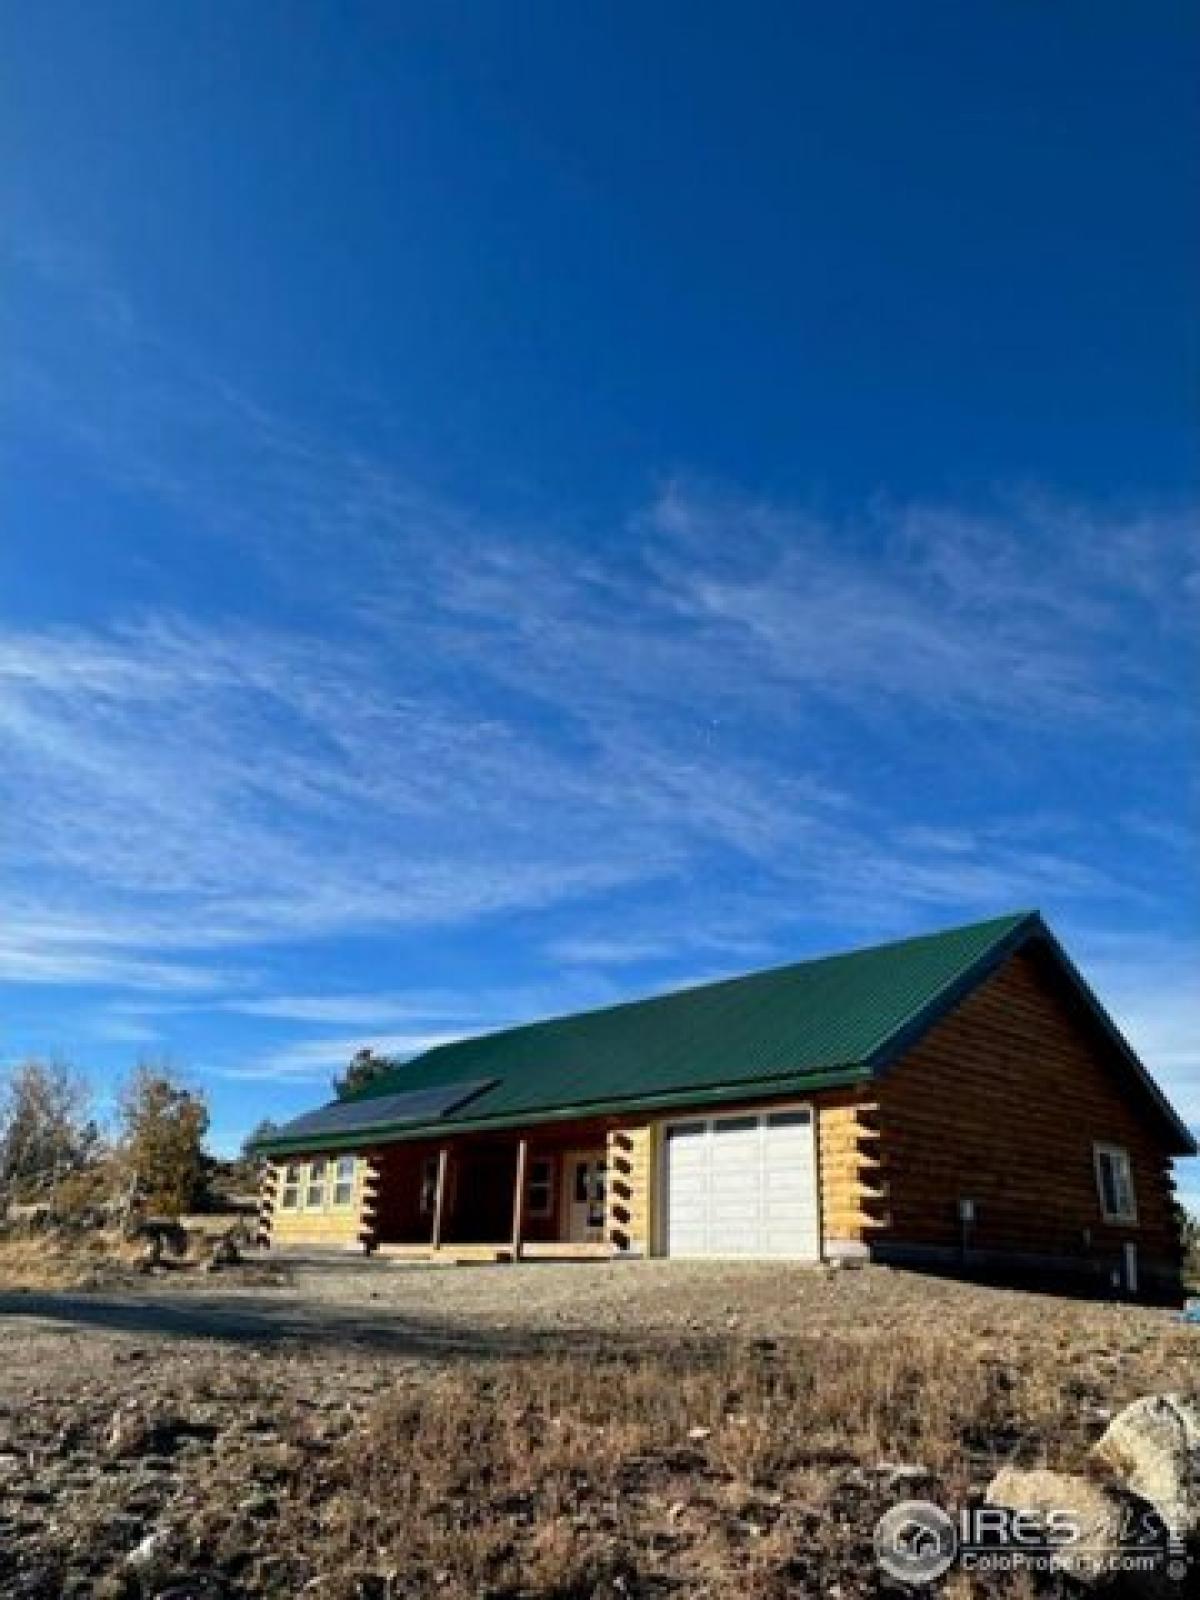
x=269 y=1321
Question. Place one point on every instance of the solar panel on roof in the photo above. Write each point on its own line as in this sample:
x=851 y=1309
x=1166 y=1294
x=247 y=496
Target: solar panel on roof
x=412 y=1105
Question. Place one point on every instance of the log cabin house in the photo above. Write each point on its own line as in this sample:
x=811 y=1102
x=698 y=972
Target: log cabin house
x=959 y=1101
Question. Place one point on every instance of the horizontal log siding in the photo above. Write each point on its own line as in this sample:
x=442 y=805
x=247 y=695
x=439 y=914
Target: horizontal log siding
x=330 y=1226
x=1003 y=1102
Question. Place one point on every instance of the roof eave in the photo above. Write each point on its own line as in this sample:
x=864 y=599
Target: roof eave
x=1186 y=1144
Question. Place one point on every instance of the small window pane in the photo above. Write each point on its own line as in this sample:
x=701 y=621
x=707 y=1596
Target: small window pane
x=789 y=1119
x=1114 y=1180
x=343 y=1189
x=314 y=1194
x=539 y=1187
x=1108 y=1183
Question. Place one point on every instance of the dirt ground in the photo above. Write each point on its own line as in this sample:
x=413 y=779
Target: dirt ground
x=371 y=1429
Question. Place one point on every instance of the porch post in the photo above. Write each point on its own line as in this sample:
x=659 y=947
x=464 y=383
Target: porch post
x=439 y=1196
x=519 y=1198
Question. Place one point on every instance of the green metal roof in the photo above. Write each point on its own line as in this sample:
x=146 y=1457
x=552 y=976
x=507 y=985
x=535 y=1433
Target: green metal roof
x=787 y=1030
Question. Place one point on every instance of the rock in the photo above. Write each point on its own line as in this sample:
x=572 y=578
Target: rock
x=148 y=1549
x=1100 y=1515
x=902 y=1474
x=134 y=1432
x=224 y=1253
x=130 y=1433
x=698 y=1434
x=1153 y=1448
x=115 y=1586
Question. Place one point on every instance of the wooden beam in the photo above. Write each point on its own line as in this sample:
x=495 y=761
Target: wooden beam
x=439 y=1197
x=519 y=1197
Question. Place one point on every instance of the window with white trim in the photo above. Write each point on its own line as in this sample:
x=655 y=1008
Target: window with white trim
x=314 y=1189
x=539 y=1187
x=289 y=1198
x=343 y=1181
x=428 y=1194
x=1114 y=1183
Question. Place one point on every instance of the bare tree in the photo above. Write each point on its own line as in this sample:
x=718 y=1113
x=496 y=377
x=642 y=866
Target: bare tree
x=46 y=1128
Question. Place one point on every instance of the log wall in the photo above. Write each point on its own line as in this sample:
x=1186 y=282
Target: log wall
x=632 y=1163
x=1002 y=1103
x=853 y=1190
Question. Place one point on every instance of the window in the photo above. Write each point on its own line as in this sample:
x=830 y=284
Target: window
x=539 y=1187
x=289 y=1200
x=789 y=1119
x=598 y=1195
x=429 y=1177
x=590 y=1190
x=343 y=1182
x=1114 y=1182
x=314 y=1191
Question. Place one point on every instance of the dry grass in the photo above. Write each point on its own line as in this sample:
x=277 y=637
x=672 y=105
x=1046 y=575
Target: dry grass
x=533 y=1462
x=741 y=1469
x=47 y=1260
x=51 y=1258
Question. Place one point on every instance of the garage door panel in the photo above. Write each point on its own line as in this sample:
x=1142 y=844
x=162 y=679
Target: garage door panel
x=742 y=1186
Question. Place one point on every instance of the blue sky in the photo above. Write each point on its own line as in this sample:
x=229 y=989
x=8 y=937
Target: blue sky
x=513 y=506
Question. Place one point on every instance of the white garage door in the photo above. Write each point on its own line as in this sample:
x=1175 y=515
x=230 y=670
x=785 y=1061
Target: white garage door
x=741 y=1186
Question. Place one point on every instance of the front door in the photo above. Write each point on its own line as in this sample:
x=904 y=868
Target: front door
x=584 y=1190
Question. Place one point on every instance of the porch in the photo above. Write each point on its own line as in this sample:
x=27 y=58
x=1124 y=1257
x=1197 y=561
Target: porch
x=495 y=1197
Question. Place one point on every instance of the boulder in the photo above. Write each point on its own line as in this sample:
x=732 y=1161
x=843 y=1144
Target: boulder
x=224 y=1253
x=163 y=1233
x=1100 y=1514
x=1153 y=1448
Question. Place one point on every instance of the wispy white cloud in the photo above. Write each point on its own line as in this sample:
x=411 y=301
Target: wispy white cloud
x=536 y=734
x=117 y=1027
x=708 y=731
x=314 y=1060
